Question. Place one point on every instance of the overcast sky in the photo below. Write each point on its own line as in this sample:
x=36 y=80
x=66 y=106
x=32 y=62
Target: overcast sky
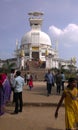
x=60 y=21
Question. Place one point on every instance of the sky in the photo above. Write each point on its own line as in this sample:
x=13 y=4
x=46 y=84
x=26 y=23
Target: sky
x=60 y=22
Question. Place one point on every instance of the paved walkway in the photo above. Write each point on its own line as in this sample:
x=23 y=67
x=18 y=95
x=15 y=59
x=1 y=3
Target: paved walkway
x=34 y=116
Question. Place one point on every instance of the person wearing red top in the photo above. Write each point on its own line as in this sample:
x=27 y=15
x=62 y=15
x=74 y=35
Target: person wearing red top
x=30 y=83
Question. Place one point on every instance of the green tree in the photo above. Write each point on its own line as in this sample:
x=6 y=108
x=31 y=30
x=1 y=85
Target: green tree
x=7 y=66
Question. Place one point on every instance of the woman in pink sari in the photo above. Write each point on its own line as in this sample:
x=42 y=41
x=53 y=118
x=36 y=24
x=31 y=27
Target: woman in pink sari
x=5 y=91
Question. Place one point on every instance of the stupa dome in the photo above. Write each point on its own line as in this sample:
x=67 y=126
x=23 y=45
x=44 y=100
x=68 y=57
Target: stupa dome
x=42 y=37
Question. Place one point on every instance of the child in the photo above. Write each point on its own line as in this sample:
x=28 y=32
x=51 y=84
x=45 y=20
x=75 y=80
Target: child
x=30 y=83
x=70 y=95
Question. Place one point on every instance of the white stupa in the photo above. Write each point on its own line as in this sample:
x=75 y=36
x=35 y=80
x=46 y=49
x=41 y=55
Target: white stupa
x=36 y=44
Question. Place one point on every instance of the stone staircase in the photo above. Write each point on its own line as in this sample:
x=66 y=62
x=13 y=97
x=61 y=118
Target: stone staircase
x=36 y=71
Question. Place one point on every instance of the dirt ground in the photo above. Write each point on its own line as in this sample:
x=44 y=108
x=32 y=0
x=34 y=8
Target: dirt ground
x=33 y=118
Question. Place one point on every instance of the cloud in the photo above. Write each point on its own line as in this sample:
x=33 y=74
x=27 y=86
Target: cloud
x=67 y=39
x=68 y=35
x=55 y=31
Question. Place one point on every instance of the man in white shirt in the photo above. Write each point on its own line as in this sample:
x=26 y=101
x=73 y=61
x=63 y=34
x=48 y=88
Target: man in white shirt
x=18 y=88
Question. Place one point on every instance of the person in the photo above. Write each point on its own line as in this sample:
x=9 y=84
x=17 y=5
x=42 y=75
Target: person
x=18 y=88
x=36 y=77
x=63 y=80
x=30 y=83
x=50 y=81
x=5 y=92
x=28 y=77
x=77 y=79
x=1 y=99
x=58 y=80
x=70 y=96
x=11 y=78
x=7 y=88
x=25 y=77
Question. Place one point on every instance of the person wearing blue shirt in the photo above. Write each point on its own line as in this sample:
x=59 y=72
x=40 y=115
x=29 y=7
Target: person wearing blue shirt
x=63 y=80
x=49 y=78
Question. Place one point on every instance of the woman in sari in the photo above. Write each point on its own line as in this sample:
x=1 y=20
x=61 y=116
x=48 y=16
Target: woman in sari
x=70 y=96
x=5 y=91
